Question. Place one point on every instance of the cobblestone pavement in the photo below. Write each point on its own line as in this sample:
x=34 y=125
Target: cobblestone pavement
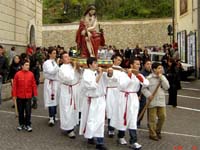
x=181 y=130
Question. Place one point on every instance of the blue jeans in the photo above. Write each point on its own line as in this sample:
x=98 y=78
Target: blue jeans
x=1 y=79
x=99 y=141
x=52 y=111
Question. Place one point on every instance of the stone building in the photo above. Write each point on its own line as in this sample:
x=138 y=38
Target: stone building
x=187 y=27
x=122 y=34
x=20 y=23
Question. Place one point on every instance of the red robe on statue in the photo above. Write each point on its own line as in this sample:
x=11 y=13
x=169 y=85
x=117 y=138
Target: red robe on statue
x=96 y=40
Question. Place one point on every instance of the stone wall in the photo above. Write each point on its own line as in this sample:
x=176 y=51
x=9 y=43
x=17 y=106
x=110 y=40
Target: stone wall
x=16 y=19
x=6 y=91
x=122 y=34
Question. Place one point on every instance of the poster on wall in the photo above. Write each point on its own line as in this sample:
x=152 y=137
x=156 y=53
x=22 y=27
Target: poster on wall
x=181 y=39
x=191 y=56
x=179 y=43
x=183 y=46
x=183 y=6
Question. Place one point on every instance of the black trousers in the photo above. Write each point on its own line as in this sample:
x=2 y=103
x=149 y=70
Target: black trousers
x=24 y=106
x=110 y=128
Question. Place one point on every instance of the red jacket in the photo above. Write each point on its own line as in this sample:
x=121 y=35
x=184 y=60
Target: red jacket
x=24 y=85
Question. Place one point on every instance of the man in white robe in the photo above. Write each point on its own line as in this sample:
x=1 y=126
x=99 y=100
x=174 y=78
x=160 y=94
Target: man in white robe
x=69 y=78
x=128 y=104
x=93 y=110
x=50 y=70
x=112 y=92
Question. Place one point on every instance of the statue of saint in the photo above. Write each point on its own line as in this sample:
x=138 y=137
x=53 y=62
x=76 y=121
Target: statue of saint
x=87 y=39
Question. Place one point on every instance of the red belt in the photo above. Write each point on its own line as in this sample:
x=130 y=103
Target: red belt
x=126 y=94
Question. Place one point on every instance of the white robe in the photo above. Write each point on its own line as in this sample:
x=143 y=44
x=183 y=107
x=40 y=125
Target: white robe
x=112 y=92
x=50 y=71
x=69 y=79
x=93 y=114
x=127 y=103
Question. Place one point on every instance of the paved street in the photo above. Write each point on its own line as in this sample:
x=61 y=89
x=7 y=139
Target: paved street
x=181 y=129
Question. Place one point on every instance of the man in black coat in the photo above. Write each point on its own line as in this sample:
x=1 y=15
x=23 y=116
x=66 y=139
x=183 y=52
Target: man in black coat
x=3 y=68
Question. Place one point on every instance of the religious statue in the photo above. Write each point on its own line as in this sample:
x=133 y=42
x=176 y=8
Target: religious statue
x=87 y=39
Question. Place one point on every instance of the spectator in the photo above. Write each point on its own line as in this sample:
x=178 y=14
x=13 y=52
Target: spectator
x=14 y=68
x=12 y=54
x=29 y=50
x=145 y=56
x=173 y=78
x=24 y=88
x=3 y=68
x=157 y=107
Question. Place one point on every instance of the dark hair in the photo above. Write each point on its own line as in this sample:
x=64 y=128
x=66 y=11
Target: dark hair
x=117 y=55
x=23 y=56
x=133 y=60
x=13 y=48
x=147 y=61
x=25 y=61
x=1 y=46
x=155 y=65
x=173 y=66
x=90 y=60
x=90 y=7
x=51 y=49
x=63 y=53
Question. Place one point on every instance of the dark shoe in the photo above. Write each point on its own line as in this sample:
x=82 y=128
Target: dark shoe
x=155 y=138
x=91 y=141
x=159 y=136
x=101 y=147
x=13 y=106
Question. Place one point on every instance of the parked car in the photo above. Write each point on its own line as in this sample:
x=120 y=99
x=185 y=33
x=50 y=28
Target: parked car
x=188 y=69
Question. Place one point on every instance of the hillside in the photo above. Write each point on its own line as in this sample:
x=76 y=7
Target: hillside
x=66 y=11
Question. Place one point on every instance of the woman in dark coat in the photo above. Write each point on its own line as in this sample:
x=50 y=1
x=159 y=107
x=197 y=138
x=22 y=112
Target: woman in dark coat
x=173 y=78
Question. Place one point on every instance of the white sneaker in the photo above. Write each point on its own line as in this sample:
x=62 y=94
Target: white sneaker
x=56 y=119
x=136 y=146
x=111 y=133
x=29 y=129
x=21 y=127
x=51 y=121
x=122 y=141
x=71 y=135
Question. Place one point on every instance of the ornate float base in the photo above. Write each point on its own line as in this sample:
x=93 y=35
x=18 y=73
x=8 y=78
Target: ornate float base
x=101 y=62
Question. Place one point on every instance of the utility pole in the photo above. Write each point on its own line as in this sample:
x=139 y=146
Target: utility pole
x=173 y=21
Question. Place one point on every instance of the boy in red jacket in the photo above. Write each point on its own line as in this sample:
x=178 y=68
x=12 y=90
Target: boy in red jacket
x=24 y=88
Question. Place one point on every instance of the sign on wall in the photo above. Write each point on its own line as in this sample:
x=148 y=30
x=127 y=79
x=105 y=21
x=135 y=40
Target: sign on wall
x=181 y=38
x=182 y=42
x=183 y=6
x=191 y=42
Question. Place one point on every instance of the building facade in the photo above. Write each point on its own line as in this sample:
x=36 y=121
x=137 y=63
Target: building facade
x=20 y=23
x=187 y=31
